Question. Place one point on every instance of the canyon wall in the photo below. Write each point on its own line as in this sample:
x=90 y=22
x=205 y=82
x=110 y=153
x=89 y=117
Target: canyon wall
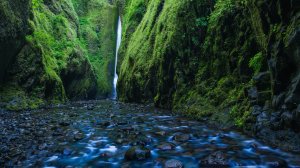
x=232 y=61
x=53 y=51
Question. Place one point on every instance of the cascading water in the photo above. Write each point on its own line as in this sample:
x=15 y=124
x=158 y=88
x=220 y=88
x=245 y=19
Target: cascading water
x=119 y=35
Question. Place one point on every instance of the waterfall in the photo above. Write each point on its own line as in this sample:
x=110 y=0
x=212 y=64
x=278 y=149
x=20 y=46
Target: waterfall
x=119 y=35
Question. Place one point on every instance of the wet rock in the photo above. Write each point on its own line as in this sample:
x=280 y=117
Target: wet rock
x=57 y=133
x=122 y=123
x=287 y=119
x=166 y=146
x=137 y=153
x=256 y=110
x=181 y=137
x=67 y=151
x=106 y=124
x=278 y=100
x=40 y=134
x=172 y=163
x=216 y=159
x=4 y=149
x=79 y=136
x=127 y=128
x=293 y=97
x=297 y=113
x=119 y=141
x=262 y=80
x=143 y=140
x=161 y=133
x=64 y=123
x=90 y=107
x=262 y=118
x=42 y=146
x=252 y=93
x=253 y=145
x=296 y=119
x=275 y=162
x=275 y=119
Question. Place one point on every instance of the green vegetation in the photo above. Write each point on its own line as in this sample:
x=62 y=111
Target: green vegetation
x=97 y=20
x=203 y=58
x=199 y=57
x=256 y=62
x=69 y=54
x=167 y=29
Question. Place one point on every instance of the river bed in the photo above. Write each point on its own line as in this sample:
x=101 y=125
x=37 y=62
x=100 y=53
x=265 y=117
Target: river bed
x=111 y=134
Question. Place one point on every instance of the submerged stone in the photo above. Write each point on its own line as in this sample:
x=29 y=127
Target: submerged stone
x=78 y=136
x=137 y=153
x=166 y=146
x=67 y=151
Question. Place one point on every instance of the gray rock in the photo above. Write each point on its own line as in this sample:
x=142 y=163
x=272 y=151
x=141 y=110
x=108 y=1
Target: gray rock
x=166 y=146
x=180 y=137
x=262 y=81
x=79 y=136
x=287 y=119
x=90 y=107
x=172 y=163
x=64 y=123
x=276 y=123
x=161 y=133
x=262 y=117
x=216 y=159
x=137 y=153
x=262 y=120
x=293 y=95
x=278 y=100
x=275 y=162
x=252 y=93
x=256 y=110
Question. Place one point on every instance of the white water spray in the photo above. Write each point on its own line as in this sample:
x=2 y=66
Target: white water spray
x=119 y=35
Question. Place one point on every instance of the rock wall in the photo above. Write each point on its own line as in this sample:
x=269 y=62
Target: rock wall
x=13 y=28
x=53 y=51
x=235 y=62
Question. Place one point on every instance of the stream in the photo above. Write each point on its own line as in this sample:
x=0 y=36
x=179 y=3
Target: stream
x=111 y=134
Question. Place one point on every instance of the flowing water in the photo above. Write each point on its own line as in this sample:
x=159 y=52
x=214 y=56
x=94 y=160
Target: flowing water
x=98 y=134
x=119 y=36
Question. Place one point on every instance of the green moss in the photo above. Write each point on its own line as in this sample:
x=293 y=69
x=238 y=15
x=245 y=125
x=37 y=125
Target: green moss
x=240 y=113
x=256 y=62
x=57 y=36
x=160 y=41
x=97 y=21
x=195 y=62
x=194 y=105
x=15 y=99
x=69 y=53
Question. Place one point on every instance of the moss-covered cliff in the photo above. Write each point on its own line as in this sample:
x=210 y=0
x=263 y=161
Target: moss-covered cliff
x=203 y=58
x=52 y=51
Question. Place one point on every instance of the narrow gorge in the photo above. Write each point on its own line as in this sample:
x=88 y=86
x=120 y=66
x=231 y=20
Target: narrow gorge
x=150 y=83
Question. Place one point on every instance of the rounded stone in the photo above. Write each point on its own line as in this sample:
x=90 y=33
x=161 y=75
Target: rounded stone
x=172 y=163
x=137 y=153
